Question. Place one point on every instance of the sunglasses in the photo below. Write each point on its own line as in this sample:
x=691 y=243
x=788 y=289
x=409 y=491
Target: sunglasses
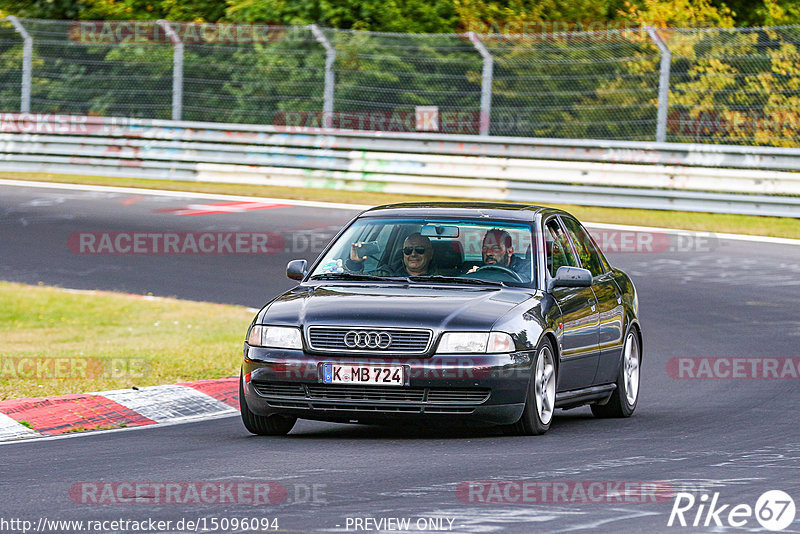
x=419 y=250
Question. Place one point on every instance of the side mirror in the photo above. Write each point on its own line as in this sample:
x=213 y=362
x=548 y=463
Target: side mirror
x=570 y=277
x=296 y=269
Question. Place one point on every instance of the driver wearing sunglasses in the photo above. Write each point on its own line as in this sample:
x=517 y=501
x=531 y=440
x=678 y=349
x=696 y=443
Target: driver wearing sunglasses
x=417 y=255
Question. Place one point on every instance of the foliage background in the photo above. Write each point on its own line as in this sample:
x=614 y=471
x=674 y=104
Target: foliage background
x=728 y=84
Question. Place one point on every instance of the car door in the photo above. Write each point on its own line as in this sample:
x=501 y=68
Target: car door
x=579 y=316
x=609 y=301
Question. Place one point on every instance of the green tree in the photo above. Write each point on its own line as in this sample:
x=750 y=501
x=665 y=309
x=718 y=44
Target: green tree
x=728 y=85
x=411 y=16
x=753 y=13
x=197 y=10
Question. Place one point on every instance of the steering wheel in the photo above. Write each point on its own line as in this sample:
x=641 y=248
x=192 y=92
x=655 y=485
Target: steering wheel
x=498 y=269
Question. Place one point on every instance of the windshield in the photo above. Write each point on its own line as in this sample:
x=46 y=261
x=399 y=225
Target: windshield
x=431 y=250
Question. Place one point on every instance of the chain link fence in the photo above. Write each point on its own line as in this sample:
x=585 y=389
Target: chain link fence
x=735 y=86
x=594 y=85
x=732 y=86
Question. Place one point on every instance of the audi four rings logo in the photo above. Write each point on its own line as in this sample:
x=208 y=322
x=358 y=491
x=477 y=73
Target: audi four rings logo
x=362 y=339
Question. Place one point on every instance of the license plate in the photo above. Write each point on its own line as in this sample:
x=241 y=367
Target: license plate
x=368 y=375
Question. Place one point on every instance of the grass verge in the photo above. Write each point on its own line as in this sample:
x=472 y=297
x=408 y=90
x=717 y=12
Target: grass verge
x=55 y=342
x=708 y=222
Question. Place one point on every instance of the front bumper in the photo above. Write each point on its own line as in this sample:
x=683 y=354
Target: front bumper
x=471 y=389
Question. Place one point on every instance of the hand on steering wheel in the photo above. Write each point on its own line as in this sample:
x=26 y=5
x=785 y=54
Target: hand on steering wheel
x=498 y=268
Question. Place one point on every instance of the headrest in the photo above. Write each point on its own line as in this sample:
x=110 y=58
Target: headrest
x=447 y=254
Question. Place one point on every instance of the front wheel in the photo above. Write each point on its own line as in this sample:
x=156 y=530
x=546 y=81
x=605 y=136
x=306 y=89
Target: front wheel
x=540 y=401
x=271 y=425
x=623 y=401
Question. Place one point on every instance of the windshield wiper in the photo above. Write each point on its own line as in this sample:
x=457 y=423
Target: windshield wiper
x=420 y=278
x=456 y=280
x=354 y=276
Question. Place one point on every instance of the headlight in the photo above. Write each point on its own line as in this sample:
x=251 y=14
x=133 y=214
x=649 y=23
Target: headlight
x=475 y=342
x=280 y=337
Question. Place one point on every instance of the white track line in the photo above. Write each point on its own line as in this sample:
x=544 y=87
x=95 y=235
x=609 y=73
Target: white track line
x=360 y=207
x=71 y=435
x=736 y=237
x=137 y=296
x=183 y=194
x=11 y=429
x=164 y=404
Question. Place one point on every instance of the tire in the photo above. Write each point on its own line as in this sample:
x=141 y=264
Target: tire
x=623 y=401
x=541 y=398
x=271 y=425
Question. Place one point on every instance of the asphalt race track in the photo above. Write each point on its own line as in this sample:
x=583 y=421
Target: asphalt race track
x=737 y=438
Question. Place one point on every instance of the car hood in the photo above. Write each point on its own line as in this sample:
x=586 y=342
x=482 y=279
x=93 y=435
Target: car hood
x=427 y=306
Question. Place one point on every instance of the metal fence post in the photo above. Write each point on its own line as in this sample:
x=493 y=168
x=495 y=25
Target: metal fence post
x=486 y=83
x=27 y=64
x=177 y=70
x=330 y=57
x=663 y=84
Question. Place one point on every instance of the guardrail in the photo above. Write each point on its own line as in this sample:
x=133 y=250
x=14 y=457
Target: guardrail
x=710 y=178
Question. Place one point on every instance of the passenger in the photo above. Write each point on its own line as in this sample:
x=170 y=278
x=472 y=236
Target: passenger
x=417 y=257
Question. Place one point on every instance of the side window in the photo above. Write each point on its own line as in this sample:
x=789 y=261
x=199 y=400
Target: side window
x=590 y=257
x=382 y=237
x=559 y=253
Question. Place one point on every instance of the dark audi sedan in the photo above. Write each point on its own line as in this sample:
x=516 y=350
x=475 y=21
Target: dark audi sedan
x=489 y=314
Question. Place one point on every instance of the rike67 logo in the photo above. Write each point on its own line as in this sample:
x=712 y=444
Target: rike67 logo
x=774 y=510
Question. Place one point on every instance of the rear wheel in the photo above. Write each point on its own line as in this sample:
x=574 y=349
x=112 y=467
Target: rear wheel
x=541 y=399
x=270 y=425
x=623 y=401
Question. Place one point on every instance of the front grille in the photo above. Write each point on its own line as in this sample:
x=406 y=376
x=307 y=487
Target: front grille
x=457 y=396
x=280 y=390
x=370 y=393
x=372 y=398
x=404 y=340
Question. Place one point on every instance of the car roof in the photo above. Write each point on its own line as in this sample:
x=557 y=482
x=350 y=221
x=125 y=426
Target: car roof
x=483 y=210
